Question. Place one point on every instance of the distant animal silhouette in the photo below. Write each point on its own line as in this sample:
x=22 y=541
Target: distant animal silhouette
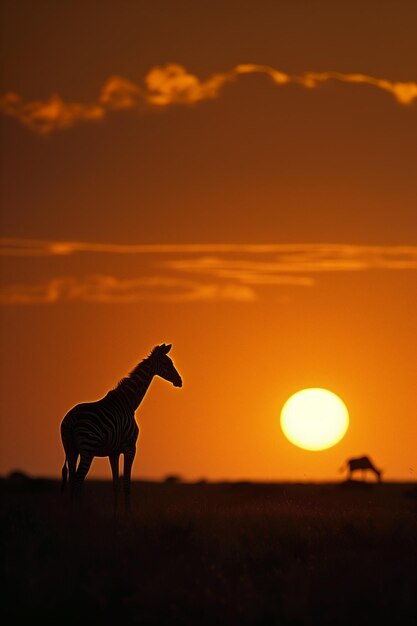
x=108 y=427
x=362 y=463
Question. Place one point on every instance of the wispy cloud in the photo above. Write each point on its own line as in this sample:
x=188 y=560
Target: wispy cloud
x=47 y=116
x=173 y=84
x=110 y=289
x=195 y=272
x=39 y=247
x=297 y=264
x=311 y=257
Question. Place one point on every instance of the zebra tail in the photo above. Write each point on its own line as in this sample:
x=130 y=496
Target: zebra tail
x=64 y=475
x=341 y=469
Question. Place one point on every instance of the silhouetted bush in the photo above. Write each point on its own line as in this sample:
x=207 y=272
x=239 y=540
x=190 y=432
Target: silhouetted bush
x=172 y=479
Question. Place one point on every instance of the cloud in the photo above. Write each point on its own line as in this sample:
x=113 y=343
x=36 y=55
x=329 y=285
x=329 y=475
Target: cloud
x=118 y=93
x=44 y=117
x=196 y=272
x=110 y=289
x=173 y=84
x=240 y=271
x=294 y=265
x=404 y=93
x=292 y=257
x=38 y=247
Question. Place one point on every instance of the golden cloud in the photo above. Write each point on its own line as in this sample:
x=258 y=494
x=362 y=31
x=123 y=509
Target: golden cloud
x=111 y=289
x=49 y=115
x=196 y=272
x=173 y=84
x=119 y=93
x=288 y=256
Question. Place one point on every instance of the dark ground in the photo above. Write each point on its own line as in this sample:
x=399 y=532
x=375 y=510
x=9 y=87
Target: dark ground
x=211 y=554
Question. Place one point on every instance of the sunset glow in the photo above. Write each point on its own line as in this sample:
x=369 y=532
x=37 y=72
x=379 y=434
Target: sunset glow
x=208 y=296
x=234 y=178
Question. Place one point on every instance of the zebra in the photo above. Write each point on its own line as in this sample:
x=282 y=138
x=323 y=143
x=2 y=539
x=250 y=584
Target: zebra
x=362 y=463
x=108 y=427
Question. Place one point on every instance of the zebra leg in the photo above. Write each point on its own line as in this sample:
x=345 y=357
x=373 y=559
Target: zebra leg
x=72 y=466
x=114 y=463
x=129 y=456
x=82 y=471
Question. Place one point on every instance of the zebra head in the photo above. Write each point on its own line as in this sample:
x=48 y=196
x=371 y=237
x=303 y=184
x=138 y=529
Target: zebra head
x=164 y=367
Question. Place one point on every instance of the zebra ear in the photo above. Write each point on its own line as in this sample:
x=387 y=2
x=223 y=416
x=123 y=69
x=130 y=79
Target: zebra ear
x=165 y=348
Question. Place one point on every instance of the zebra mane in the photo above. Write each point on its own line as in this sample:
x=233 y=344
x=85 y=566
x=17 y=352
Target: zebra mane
x=157 y=350
x=132 y=373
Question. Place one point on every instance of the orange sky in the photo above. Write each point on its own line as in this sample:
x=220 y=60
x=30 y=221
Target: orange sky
x=236 y=178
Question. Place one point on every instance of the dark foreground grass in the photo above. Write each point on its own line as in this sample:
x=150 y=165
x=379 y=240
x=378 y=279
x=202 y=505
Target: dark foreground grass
x=211 y=554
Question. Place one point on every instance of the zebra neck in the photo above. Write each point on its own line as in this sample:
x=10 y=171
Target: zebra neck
x=135 y=386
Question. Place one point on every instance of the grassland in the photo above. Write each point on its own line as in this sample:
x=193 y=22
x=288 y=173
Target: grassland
x=211 y=554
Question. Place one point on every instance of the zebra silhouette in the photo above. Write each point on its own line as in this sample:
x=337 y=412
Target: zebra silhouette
x=362 y=463
x=108 y=427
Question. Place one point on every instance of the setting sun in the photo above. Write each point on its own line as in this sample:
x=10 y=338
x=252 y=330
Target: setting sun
x=314 y=419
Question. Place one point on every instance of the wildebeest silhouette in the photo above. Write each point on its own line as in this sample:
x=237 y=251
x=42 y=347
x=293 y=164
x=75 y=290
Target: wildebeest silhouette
x=362 y=463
